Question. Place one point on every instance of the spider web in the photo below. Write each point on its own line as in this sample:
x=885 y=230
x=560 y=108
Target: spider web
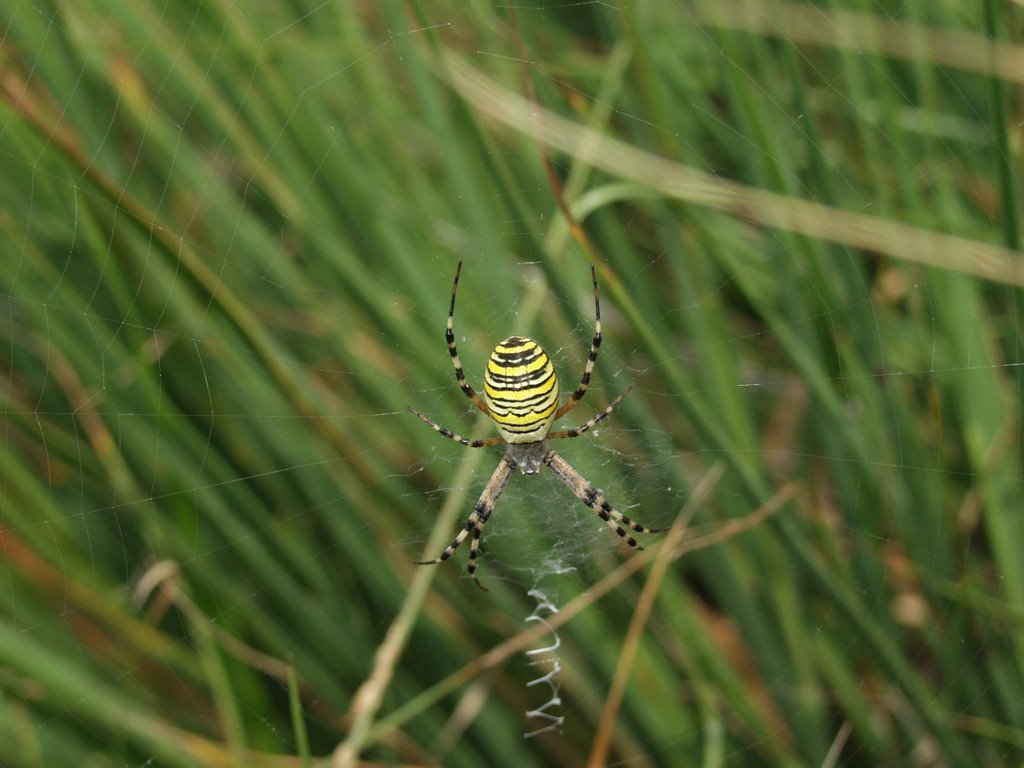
x=230 y=231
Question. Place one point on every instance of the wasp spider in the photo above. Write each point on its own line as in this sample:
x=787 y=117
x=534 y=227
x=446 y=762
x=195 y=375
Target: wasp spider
x=521 y=396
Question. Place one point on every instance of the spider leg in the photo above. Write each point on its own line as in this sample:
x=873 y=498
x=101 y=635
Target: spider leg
x=454 y=436
x=592 y=497
x=449 y=335
x=476 y=521
x=577 y=431
x=595 y=347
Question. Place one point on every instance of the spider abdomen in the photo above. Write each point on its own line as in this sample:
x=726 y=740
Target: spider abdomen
x=521 y=390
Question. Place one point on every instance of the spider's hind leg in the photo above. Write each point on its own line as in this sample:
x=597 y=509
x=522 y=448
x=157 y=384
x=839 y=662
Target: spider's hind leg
x=595 y=347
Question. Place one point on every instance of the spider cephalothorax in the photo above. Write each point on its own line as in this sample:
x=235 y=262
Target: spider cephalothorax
x=521 y=396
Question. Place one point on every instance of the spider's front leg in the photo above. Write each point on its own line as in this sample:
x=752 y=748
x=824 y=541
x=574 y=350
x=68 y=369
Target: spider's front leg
x=476 y=521
x=592 y=497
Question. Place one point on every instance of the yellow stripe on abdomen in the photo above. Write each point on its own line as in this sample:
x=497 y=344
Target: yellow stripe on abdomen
x=521 y=390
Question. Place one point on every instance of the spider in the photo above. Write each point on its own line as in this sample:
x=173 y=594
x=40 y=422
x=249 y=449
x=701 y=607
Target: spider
x=521 y=397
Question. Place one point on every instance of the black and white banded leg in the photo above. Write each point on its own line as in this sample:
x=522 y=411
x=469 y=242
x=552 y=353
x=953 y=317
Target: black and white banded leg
x=476 y=521
x=595 y=347
x=453 y=351
x=593 y=422
x=591 y=496
x=484 y=443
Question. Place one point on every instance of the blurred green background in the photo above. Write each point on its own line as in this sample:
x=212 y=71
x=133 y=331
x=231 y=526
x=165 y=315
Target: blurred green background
x=229 y=231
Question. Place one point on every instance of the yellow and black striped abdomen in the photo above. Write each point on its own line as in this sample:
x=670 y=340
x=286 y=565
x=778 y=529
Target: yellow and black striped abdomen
x=521 y=390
